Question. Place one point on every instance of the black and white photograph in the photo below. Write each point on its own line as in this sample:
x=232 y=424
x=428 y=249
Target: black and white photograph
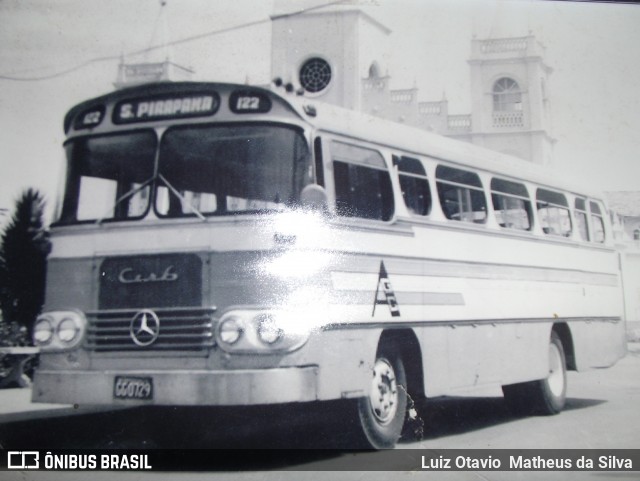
x=292 y=239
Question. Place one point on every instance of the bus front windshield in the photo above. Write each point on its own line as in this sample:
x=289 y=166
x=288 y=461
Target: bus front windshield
x=200 y=171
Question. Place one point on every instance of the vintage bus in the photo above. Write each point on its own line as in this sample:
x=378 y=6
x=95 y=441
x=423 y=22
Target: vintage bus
x=220 y=244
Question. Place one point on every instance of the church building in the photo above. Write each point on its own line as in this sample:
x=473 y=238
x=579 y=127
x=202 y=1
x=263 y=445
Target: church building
x=339 y=55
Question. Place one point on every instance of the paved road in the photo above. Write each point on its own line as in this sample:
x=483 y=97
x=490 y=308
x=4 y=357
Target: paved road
x=602 y=412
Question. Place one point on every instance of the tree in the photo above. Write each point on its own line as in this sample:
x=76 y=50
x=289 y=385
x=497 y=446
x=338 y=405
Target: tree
x=23 y=252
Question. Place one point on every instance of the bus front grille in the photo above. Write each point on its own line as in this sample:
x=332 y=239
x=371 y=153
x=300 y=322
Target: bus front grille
x=175 y=329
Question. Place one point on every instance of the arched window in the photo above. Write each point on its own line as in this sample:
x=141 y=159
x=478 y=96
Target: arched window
x=507 y=96
x=374 y=71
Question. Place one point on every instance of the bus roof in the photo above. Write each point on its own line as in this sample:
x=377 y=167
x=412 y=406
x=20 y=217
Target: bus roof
x=337 y=120
x=414 y=140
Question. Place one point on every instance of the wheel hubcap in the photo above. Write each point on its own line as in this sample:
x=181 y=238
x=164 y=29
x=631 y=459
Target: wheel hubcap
x=384 y=392
x=556 y=373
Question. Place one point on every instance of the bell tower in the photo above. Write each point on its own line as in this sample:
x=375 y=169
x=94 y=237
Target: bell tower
x=326 y=51
x=509 y=96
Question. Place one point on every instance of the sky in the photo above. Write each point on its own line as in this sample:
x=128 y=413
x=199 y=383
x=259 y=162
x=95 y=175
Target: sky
x=593 y=48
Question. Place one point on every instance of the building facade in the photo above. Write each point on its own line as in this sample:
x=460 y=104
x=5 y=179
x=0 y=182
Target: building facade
x=339 y=55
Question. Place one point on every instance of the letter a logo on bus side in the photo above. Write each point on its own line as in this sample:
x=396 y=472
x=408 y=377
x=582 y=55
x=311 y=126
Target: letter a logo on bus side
x=385 y=294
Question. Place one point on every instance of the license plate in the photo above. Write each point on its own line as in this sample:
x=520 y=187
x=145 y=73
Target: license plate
x=126 y=387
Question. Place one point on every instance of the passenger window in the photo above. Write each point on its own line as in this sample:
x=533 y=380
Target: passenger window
x=317 y=149
x=597 y=222
x=461 y=195
x=414 y=185
x=581 y=219
x=553 y=211
x=511 y=204
x=362 y=182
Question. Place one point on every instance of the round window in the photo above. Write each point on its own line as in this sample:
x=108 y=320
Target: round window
x=315 y=75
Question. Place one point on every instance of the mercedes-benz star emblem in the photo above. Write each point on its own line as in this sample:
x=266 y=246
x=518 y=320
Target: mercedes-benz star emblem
x=145 y=328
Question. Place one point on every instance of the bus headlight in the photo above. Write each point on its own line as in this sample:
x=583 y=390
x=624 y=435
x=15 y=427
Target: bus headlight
x=268 y=330
x=59 y=330
x=42 y=331
x=230 y=330
x=259 y=332
x=68 y=330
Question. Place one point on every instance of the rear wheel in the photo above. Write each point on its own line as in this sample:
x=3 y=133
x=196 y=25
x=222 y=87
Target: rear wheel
x=553 y=390
x=545 y=396
x=382 y=412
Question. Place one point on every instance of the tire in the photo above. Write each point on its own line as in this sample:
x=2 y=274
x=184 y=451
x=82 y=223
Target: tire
x=545 y=396
x=382 y=413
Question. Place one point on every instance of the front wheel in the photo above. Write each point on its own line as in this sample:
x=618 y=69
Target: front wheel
x=545 y=396
x=382 y=412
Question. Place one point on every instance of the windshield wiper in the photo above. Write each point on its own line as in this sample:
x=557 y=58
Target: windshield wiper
x=123 y=197
x=181 y=197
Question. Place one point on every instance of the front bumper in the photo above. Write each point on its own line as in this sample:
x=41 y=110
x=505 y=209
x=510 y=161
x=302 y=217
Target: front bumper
x=182 y=388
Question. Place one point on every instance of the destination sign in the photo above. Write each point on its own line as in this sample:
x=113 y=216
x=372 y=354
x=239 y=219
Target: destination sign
x=166 y=107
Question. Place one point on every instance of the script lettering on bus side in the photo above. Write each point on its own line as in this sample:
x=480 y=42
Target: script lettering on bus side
x=126 y=276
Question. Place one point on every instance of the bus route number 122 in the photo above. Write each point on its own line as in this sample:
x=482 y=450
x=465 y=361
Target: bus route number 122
x=248 y=103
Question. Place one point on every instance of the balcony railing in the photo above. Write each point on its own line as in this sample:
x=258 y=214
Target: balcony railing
x=403 y=96
x=430 y=108
x=508 y=119
x=459 y=123
x=374 y=84
x=499 y=45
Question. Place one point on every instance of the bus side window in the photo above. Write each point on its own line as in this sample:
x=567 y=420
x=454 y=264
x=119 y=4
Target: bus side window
x=362 y=182
x=461 y=195
x=414 y=185
x=581 y=219
x=553 y=211
x=319 y=166
x=511 y=204
x=597 y=222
